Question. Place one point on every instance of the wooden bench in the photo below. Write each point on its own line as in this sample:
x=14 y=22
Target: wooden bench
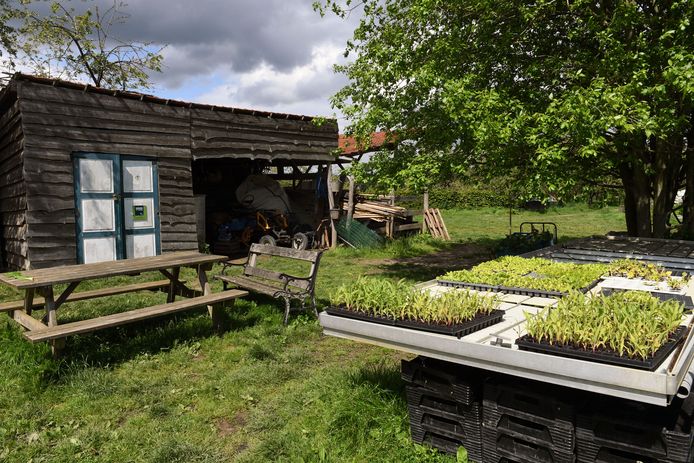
x=276 y=284
x=38 y=302
x=45 y=333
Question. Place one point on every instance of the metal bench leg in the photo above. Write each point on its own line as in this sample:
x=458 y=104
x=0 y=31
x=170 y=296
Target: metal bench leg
x=287 y=303
x=313 y=304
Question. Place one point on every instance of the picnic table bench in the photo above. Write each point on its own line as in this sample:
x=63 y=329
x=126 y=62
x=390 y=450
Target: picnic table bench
x=277 y=284
x=43 y=281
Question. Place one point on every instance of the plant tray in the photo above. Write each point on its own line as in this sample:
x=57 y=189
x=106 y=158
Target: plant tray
x=685 y=300
x=527 y=343
x=460 y=330
x=340 y=312
x=512 y=289
x=463 y=329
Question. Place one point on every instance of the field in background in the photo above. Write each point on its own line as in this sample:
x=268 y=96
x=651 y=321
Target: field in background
x=168 y=391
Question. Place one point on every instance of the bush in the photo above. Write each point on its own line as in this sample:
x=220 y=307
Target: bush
x=457 y=195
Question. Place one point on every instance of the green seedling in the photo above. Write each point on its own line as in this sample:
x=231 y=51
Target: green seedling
x=398 y=300
x=632 y=324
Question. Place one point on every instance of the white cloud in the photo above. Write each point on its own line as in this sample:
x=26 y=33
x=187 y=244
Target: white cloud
x=304 y=89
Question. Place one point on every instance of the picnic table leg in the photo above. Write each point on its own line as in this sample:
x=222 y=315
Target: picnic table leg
x=214 y=311
x=57 y=345
x=175 y=272
x=28 y=300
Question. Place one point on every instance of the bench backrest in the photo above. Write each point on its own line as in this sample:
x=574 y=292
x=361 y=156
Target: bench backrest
x=256 y=250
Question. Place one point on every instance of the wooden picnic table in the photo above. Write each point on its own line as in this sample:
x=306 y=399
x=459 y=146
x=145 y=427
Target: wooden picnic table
x=43 y=282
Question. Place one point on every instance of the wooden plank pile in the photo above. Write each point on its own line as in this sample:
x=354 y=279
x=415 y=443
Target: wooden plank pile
x=376 y=210
x=435 y=224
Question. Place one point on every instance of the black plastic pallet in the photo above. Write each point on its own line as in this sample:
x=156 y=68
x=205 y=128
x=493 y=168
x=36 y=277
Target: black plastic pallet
x=607 y=455
x=497 y=445
x=613 y=430
x=652 y=363
x=460 y=383
x=446 y=445
x=441 y=405
x=467 y=431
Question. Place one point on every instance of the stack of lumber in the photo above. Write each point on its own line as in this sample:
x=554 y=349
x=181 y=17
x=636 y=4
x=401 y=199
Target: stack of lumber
x=435 y=224
x=377 y=211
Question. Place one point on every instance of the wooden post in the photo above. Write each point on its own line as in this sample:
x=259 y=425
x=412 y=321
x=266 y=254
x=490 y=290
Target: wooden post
x=213 y=310
x=176 y=271
x=425 y=208
x=390 y=222
x=57 y=345
x=331 y=206
x=350 y=199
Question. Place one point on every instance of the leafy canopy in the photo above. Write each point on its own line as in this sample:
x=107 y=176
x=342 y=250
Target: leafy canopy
x=74 y=44
x=554 y=92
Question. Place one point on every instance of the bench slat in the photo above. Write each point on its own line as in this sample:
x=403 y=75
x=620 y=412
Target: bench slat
x=83 y=295
x=108 y=321
x=291 y=253
x=275 y=277
x=251 y=283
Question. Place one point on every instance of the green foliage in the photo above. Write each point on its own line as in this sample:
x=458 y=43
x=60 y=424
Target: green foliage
x=397 y=300
x=73 y=43
x=557 y=94
x=536 y=273
x=457 y=195
x=630 y=323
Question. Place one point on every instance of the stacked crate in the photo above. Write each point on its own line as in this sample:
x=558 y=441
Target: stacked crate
x=620 y=431
x=444 y=405
x=528 y=422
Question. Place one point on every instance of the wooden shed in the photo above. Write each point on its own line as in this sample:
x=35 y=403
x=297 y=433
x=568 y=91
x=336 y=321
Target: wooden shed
x=89 y=174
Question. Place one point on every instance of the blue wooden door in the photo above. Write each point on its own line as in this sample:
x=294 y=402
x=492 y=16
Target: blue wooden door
x=116 y=200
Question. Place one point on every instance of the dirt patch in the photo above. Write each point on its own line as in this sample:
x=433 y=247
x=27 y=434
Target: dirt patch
x=226 y=427
x=457 y=256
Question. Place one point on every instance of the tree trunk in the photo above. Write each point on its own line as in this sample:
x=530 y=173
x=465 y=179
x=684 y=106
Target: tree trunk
x=688 y=202
x=667 y=163
x=637 y=200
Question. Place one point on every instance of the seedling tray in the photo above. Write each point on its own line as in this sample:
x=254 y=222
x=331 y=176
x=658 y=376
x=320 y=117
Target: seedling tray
x=651 y=364
x=479 y=322
x=463 y=329
x=340 y=312
x=512 y=289
x=663 y=296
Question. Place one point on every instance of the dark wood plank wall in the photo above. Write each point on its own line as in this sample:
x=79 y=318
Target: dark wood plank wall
x=224 y=133
x=59 y=121
x=12 y=189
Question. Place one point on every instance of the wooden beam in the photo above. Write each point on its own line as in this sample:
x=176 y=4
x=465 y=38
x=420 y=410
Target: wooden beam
x=350 y=199
x=27 y=321
x=331 y=206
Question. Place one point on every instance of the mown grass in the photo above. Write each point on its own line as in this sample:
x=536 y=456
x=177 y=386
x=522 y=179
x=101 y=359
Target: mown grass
x=168 y=390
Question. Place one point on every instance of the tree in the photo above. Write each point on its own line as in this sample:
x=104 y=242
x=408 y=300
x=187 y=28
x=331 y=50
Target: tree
x=560 y=93
x=72 y=45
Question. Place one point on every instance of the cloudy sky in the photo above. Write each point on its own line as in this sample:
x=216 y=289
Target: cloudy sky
x=274 y=55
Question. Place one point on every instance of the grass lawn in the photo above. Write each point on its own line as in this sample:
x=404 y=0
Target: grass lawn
x=169 y=391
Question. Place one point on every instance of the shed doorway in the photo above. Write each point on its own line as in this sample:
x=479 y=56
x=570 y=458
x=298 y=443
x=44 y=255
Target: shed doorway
x=117 y=207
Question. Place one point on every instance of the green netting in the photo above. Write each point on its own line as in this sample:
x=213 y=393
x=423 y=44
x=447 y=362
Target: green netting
x=357 y=234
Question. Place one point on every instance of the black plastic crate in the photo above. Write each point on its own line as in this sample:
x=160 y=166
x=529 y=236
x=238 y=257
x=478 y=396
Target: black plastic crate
x=614 y=431
x=442 y=405
x=468 y=430
x=539 y=413
x=446 y=444
x=460 y=383
x=497 y=445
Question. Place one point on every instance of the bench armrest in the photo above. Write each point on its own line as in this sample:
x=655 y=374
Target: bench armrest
x=289 y=278
x=227 y=264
